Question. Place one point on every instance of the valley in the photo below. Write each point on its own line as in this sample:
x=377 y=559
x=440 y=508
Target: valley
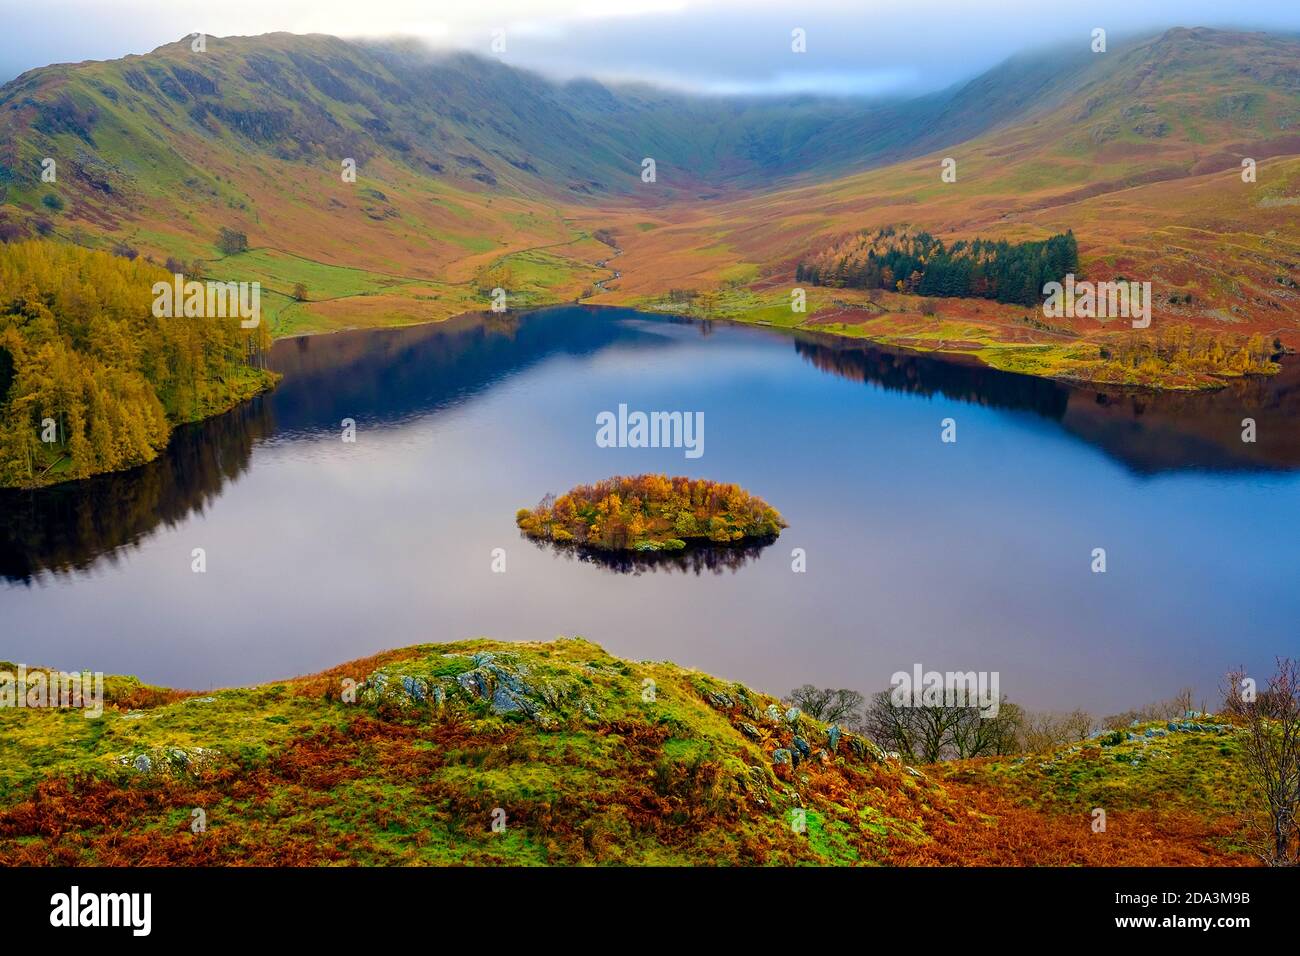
x=1139 y=152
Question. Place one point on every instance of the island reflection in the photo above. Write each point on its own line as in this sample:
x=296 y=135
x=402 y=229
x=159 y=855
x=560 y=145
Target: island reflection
x=693 y=559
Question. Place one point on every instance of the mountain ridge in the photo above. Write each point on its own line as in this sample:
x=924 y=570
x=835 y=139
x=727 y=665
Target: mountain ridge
x=473 y=174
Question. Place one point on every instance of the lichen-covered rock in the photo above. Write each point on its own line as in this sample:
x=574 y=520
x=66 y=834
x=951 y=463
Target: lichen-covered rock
x=475 y=683
x=864 y=749
x=174 y=760
x=721 y=701
x=507 y=701
x=415 y=689
x=782 y=757
x=749 y=730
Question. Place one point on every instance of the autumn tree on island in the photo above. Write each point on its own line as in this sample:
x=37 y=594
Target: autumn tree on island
x=651 y=513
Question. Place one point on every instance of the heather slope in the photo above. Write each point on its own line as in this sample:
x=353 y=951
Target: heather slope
x=577 y=757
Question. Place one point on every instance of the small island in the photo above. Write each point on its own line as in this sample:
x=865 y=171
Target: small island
x=650 y=513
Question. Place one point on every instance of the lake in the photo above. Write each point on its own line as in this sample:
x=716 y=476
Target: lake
x=968 y=555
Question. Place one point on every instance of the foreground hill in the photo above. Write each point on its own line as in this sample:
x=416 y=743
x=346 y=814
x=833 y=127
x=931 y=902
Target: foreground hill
x=484 y=752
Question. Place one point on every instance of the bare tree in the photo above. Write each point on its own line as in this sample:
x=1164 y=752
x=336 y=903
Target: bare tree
x=1046 y=731
x=842 y=706
x=933 y=732
x=975 y=734
x=1272 y=722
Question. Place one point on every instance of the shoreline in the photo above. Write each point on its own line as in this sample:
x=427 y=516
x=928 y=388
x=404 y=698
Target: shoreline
x=984 y=354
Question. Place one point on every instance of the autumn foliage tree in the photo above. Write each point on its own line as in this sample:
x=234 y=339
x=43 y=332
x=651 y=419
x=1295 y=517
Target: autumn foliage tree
x=90 y=380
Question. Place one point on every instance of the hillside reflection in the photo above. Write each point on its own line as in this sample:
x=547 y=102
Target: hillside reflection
x=1149 y=432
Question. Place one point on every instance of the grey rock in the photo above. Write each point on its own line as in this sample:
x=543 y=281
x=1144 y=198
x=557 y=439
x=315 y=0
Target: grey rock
x=749 y=730
x=773 y=712
x=781 y=757
x=721 y=701
x=414 y=688
x=474 y=683
x=793 y=714
x=833 y=738
x=802 y=746
x=506 y=701
x=507 y=678
x=142 y=763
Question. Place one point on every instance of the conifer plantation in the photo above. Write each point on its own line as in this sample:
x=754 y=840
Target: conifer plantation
x=90 y=380
x=921 y=264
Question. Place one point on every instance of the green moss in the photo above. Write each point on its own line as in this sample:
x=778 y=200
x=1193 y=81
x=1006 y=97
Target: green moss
x=482 y=752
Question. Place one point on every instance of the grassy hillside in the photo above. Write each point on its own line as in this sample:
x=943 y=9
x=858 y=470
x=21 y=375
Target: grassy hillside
x=579 y=758
x=471 y=174
x=158 y=153
x=1139 y=155
x=464 y=165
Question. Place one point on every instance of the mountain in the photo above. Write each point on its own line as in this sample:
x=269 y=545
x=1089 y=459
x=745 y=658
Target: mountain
x=484 y=752
x=1140 y=154
x=459 y=118
x=472 y=174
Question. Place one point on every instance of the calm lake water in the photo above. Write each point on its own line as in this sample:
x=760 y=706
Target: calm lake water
x=973 y=555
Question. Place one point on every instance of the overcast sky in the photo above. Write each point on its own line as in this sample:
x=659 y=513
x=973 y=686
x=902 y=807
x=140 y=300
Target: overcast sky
x=853 y=46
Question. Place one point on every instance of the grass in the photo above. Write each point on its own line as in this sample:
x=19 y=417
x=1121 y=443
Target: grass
x=1010 y=338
